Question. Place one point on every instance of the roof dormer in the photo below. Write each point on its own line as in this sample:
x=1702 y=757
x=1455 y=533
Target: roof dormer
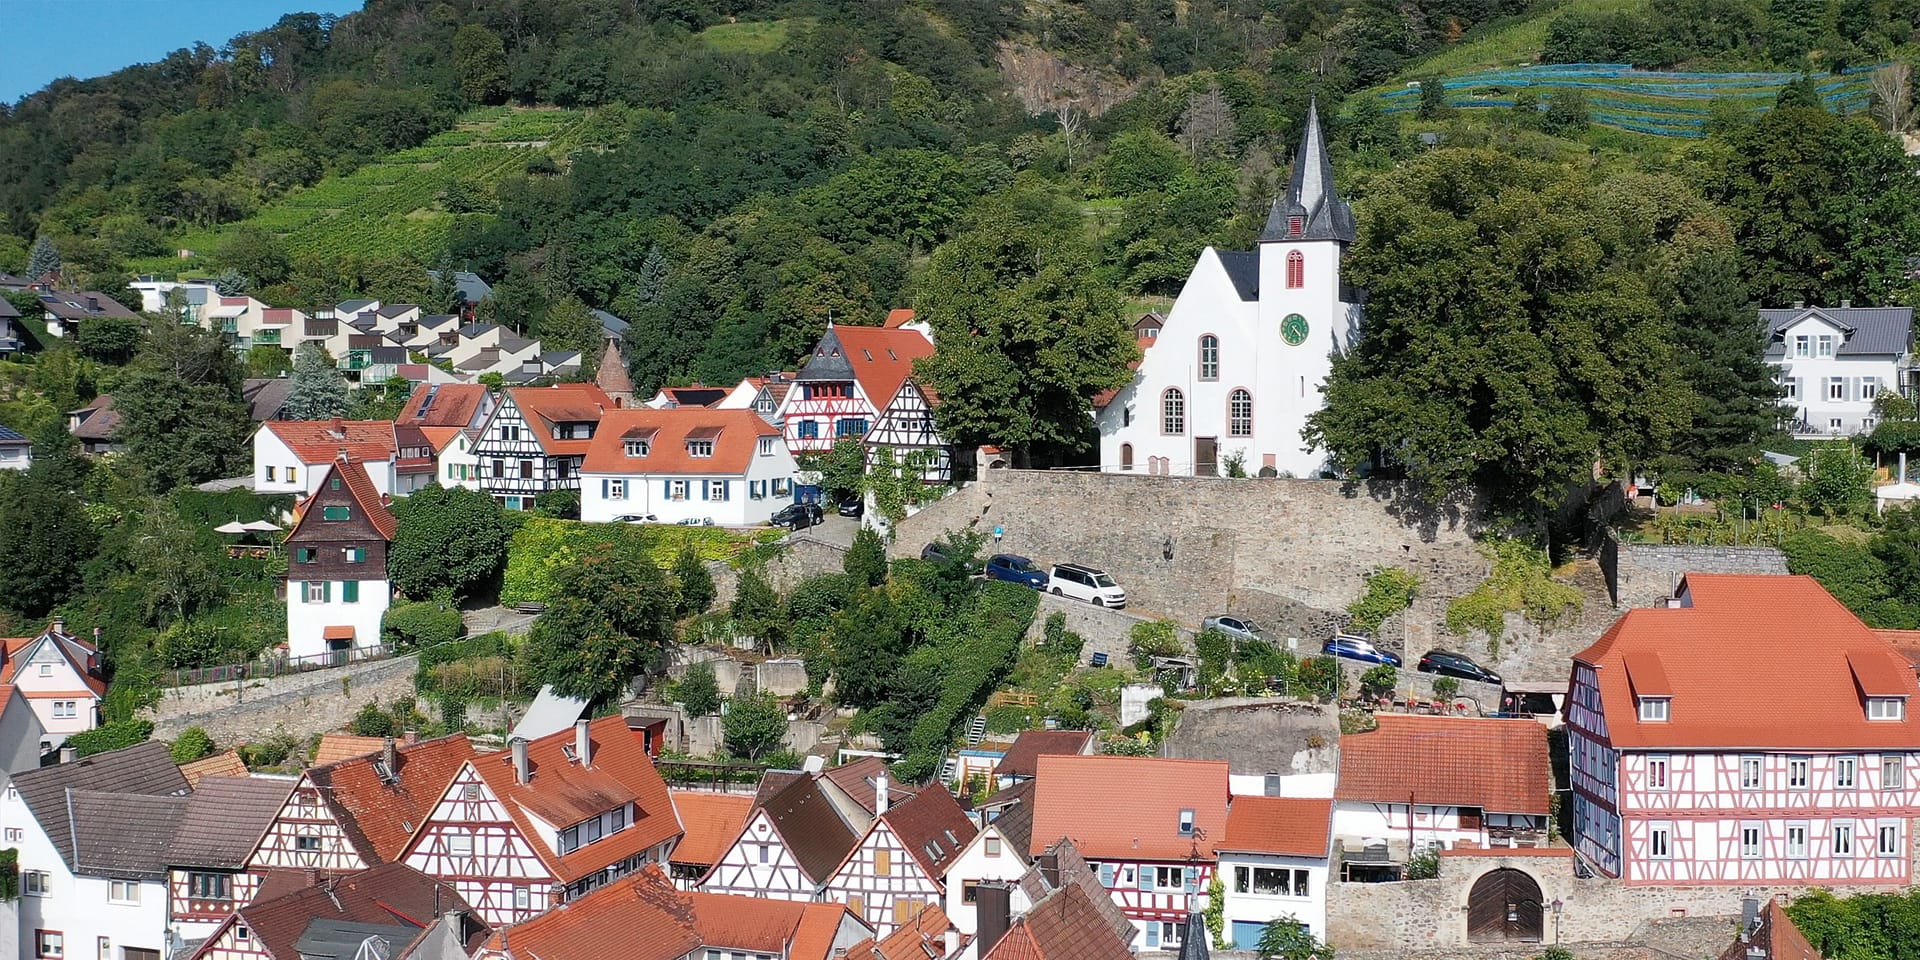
x=1883 y=684
x=1652 y=691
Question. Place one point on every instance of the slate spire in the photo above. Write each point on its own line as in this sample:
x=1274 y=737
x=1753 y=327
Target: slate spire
x=1312 y=208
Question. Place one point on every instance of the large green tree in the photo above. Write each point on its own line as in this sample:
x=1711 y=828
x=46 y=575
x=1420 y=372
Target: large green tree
x=47 y=538
x=1720 y=349
x=318 y=391
x=1028 y=334
x=1510 y=342
x=454 y=538
x=754 y=725
x=481 y=60
x=608 y=620
x=181 y=416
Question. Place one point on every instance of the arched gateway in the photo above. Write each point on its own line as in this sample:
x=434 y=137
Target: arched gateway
x=1504 y=907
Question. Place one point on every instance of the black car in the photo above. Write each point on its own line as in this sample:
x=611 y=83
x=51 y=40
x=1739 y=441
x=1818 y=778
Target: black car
x=931 y=553
x=1449 y=664
x=854 y=507
x=797 y=516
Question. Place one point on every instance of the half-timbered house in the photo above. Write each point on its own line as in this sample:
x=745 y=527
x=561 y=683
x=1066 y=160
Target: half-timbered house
x=337 y=588
x=535 y=440
x=849 y=378
x=207 y=877
x=1753 y=731
x=898 y=868
x=791 y=844
x=1416 y=783
x=711 y=821
x=547 y=821
x=359 y=812
x=378 y=912
x=998 y=853
x=60 y=676
x=686 y=463
x=1148 y=825
x=905 y=432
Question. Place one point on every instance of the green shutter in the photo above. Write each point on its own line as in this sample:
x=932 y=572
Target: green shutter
x=349 y=591
x=326 y=592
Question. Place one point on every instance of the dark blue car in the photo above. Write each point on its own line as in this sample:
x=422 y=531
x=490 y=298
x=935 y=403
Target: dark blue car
x=1016 y=569
x=1358 y=648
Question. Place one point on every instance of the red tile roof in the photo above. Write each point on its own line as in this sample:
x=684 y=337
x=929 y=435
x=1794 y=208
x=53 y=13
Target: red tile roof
x=546 y=407
x=922 y=937
x=337 y=633
x=882 y=358
x=335 y=747
x=1499 y=766
x=1906 y=643
x=1754 y=662
x=454 y=404
x=77 y=652
x=1776 y=935
x=712 y=822
x=439 y=437
x=381 y=817
x=390 y=895
x=1104 y=397
x=1064 y=926
x=1138 y=802
x=321 y=441
x=898 y=317
x=760 y=925
x=562 y=793
x=226 y=764
x=932 y=827
x=638 y=917
x=735 y=444
x=360 y=486
x=1292 y=826
x=858 y=778
x=1028 y=747
x=611 y=372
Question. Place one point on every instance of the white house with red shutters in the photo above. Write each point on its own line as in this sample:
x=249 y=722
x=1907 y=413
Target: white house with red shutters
x=547 y=821
x=1247 y=347
x=1753 y=731
x=850 y=377
x=1149 y=826
x=897 y=868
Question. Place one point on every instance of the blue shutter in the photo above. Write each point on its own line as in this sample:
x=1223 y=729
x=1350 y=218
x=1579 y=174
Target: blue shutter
x=1106 y=875
x=1153 y=933
x=1146 y=879
x=606 y=489
x=1190 y=879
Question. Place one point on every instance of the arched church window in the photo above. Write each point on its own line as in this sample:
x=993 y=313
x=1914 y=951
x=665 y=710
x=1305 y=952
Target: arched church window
x=1296 y=270
x=1209 y=357
x=1240 y=413
x=1173 y=412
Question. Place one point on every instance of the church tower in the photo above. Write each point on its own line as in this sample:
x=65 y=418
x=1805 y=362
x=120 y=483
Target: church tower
x=612 y=377
x=1304 y=314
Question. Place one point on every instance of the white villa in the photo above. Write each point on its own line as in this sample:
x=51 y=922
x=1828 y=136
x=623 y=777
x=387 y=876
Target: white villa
x=1833 y=362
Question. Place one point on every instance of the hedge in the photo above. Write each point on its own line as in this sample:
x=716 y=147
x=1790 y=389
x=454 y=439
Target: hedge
x=422 y=624
x=543 y=544
x=112 y=736
x=980 y=657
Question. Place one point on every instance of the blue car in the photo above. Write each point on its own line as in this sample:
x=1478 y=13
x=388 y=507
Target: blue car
x=1016 y=569
x=1358 y=648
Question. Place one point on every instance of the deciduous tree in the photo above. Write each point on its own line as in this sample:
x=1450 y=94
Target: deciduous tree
x=47 y=537
x=454 y=538
x=695 y=583
x=181 y=416
x=607 y=621
x=754 y=725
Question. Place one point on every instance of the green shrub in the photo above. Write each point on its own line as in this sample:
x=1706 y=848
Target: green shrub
x=1379 y=682
x=1153 y=638
x=978 y=656
x=542 y=545
x=558 y=504
x=426 y=623
x=372 y=721
x=270 y=752
x=9 y=875
x=1445 y=687
x=698 y=691
x=1319 y=678
x=1424 y=865
x=1521 y=581
x=1007 y=718
x=110 y=736
x=192 y=744
x=1389 y=591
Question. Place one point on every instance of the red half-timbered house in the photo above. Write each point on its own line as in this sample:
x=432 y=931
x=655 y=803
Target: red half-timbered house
x=547 y=821
x=897 y=868
x=790 y=845
x=224 y=821
x=359 y=812
x=1751 y=732
x=851 y=376
x=1147 y=825
x=391 y=904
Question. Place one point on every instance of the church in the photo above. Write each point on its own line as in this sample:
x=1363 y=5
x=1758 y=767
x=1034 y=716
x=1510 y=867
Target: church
x=1238 y=366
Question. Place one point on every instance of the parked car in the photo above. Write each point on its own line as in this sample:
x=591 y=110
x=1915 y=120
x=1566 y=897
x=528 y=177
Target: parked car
x=1234 y=626
x=1446 y=663
x=636 y=518
x=855 y=507
x=1358 y=648
x=1014 y=568
x=932 y=553
x=1089 y=584
x=797 y=516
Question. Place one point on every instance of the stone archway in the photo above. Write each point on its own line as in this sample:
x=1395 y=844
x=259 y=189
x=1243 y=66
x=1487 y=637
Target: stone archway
x=1505 y=907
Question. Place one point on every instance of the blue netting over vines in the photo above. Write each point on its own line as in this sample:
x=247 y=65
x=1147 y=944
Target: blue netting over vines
x=1656 y=102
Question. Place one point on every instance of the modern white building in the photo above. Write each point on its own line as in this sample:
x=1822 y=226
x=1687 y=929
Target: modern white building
x=93 y=837
x=1246 y=349
x=686 y=463
x=23 y=740
x=1273 y=864
x=290 y=456
x=1833 y=362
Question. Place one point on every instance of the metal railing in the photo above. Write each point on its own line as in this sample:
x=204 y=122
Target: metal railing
x=273 y=666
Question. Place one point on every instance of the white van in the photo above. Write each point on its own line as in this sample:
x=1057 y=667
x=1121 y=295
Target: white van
x=1086 y=584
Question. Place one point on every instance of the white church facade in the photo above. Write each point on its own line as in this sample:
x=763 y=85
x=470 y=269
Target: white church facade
x=1246 y=349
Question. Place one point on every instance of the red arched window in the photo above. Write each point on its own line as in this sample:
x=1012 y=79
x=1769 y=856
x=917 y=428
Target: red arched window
x=1126 y=456
x=1296 y=270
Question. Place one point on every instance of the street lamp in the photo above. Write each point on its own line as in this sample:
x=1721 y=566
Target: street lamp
x=1556 y=921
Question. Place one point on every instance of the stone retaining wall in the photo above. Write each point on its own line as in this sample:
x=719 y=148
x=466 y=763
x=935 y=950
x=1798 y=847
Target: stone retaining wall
x=299 y=705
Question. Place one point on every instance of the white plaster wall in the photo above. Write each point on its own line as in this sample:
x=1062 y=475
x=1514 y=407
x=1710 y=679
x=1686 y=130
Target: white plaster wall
x=1251 y=907
x=1812 y=405
x=973 y=866
x=307 y=622
x=647 y=493
x=78 y=906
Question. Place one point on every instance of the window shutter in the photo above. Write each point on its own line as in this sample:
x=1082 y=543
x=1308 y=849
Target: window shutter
x=1190 y=879
x=1153 y=933
x=350 y=591
x=326 y=591
x=1106 y=875
x=1146 y=879
x=605 y=487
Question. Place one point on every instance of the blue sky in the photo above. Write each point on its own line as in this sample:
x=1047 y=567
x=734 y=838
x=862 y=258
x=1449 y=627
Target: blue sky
x=49 y=39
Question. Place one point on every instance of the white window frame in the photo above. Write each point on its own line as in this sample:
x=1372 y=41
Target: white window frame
x=1659 y=773
x=1756 y=766
x=1655 y=709
x=522 y=898
x=1753 y=840
x=1886 y=708
x=1802 y=345
x=460 y=844
x=1893 y=772
x=1836 y=388
x=766 y=446
x=700 y=449
x=34 y=883
x=1846 y=773
x=1799 y=773
x=1797 y=840
x=1869 y=388
x=1886 y=839
x=1660 y=840
x=1824 y=345
x=676 y=490
x=1792 y=388
x=617 y=489
x=123 y=892
x=315 y=591
x=1843 y=839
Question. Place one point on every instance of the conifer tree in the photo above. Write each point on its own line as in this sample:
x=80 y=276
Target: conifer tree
x=319 y=392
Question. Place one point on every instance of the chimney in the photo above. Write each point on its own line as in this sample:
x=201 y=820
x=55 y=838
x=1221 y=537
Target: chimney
x=390 y=757
x=410 y=737
x=59 y=626
x=93 y=304
x=67 y=755
x=994 y=903
x=1846 y=304
x=582 y=744
x=96 y=630
x=456 y=922
x=313 y=877
x=880 y=795
x=520 y=772
x=1799 y=304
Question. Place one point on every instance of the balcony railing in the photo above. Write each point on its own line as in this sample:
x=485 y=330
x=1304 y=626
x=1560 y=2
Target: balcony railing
x=355 y=361
x=267 y=336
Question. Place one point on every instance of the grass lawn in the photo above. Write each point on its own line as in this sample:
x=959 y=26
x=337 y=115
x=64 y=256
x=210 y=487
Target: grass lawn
x=1515 y=42
x=753 y=36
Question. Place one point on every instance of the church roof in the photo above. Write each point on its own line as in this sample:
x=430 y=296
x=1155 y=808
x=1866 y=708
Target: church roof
x=1311 y=195
x=612 y=373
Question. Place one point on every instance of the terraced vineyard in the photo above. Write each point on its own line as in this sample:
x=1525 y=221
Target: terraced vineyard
x=391 y=205
x=1662 y=104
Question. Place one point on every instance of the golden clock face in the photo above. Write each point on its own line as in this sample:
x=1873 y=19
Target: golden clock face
x=1294 y=329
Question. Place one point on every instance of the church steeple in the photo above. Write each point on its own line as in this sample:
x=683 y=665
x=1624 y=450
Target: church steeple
x=1312 y=208
x=612 y=376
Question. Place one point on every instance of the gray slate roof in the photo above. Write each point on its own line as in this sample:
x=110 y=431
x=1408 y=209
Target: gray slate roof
x=330 y=939
x=828 y=362
x=348 y=308
x=392 y=310
x=144 y=769
x=468 y=283
x=1243 y=268
x=1873 y=331
x=7 y=310
x=10 y=435
x=431 y=321
x=612 y=324
x=1311 y=193
x=225 y=818
x=266 y=397
x=123 y=835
